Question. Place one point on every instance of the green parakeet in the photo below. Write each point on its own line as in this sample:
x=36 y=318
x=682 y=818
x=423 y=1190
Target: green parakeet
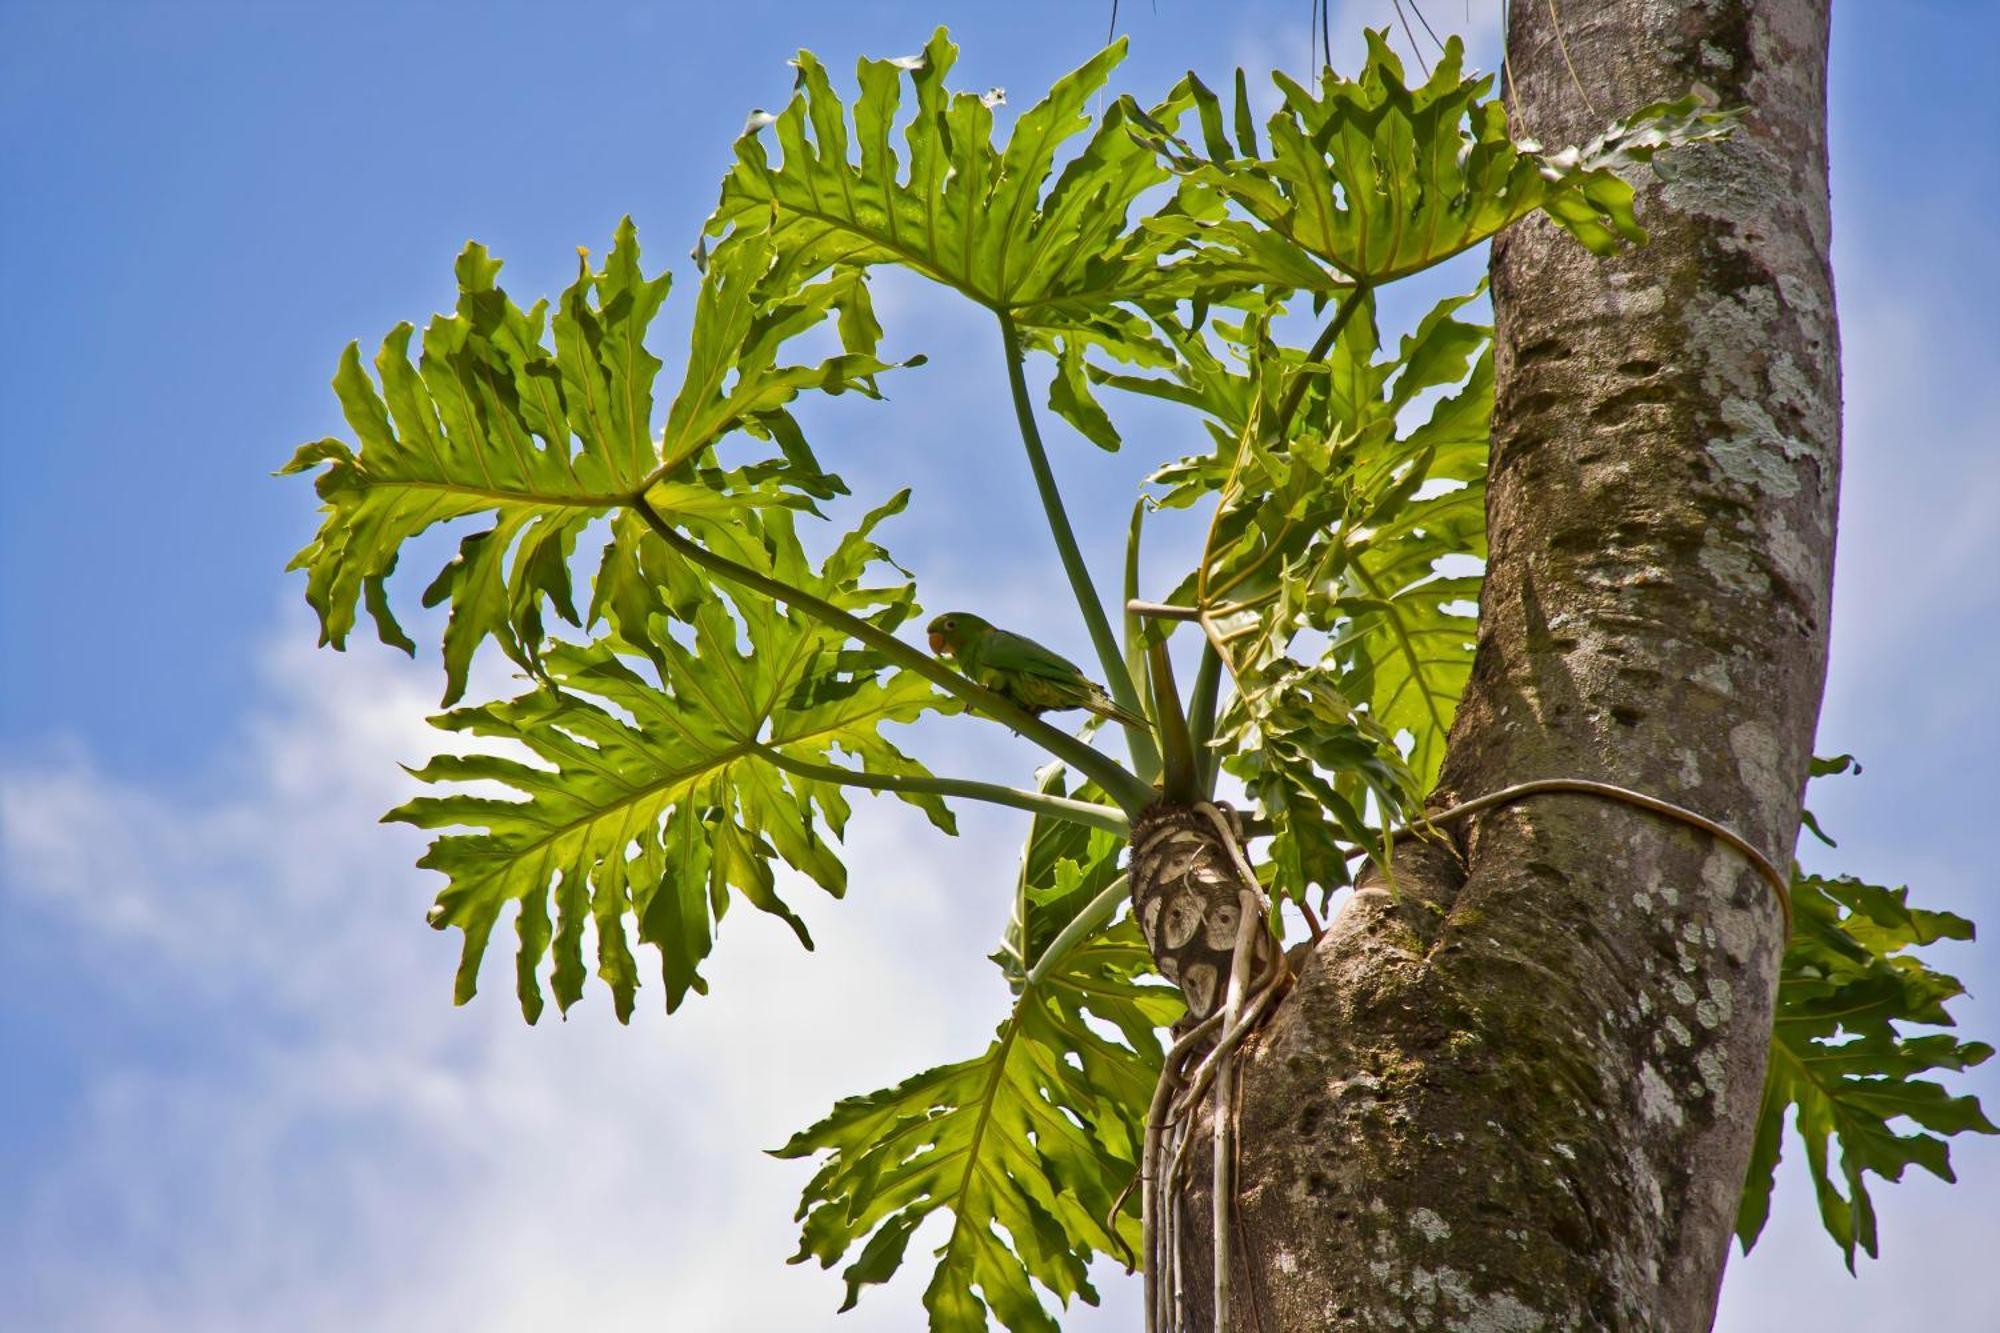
x=1028 y=674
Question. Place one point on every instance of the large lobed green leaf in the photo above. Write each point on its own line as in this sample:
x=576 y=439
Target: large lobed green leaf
x=1025 y=1146
x=1313 y=762
x=1840 y=1057
x=658 y=798
x=1372 y=180
x=493 y=420
x=1358 y=515
x=1403 y=608
x=1050 y=246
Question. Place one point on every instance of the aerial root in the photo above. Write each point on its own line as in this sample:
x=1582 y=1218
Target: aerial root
x=1247 y=1002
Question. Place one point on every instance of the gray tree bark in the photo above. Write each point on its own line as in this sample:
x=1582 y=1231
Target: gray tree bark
x=1520 y=1095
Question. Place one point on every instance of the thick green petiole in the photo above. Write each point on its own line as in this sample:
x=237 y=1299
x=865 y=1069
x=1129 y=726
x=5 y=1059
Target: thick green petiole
x=1203 y=705
x=1117 y=781
x=1082 y=926
x=1147 y=764
x=1181 y=774
x=993 y=793
x=1295 y=394
x=1116 y=678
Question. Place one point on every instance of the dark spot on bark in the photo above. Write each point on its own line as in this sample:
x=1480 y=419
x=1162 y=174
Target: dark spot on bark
x=1726 y=25
x=1639 y=368
x=1535 y=404
x=1729 y=267
x=1572 y=1231
x=1626 y=716
x=1519 y=445
x=1548 y=872
x=1548 y=349
x=1620 y=406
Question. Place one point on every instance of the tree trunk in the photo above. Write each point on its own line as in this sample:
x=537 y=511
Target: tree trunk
x=1519 y=1094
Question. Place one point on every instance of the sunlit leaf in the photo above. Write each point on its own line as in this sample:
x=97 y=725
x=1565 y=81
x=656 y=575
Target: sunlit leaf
x=657 y=798
x=1842 y=1061
x=1027 y=1145
x=1372 y=180
x=540 y=420
x=1035 y=228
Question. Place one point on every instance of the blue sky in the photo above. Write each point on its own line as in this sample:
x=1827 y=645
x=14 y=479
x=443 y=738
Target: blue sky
x=236 y=1095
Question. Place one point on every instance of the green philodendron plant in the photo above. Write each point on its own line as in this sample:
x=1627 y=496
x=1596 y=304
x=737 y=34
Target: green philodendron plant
x=701 y=717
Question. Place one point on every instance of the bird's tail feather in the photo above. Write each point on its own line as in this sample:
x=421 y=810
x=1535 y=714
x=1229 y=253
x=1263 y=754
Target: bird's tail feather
x=1104 y=706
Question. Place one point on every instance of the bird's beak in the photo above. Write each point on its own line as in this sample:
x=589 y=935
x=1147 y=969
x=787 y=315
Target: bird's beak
x=937 y=643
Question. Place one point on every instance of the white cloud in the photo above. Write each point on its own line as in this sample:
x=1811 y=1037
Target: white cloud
x=345 y=1150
